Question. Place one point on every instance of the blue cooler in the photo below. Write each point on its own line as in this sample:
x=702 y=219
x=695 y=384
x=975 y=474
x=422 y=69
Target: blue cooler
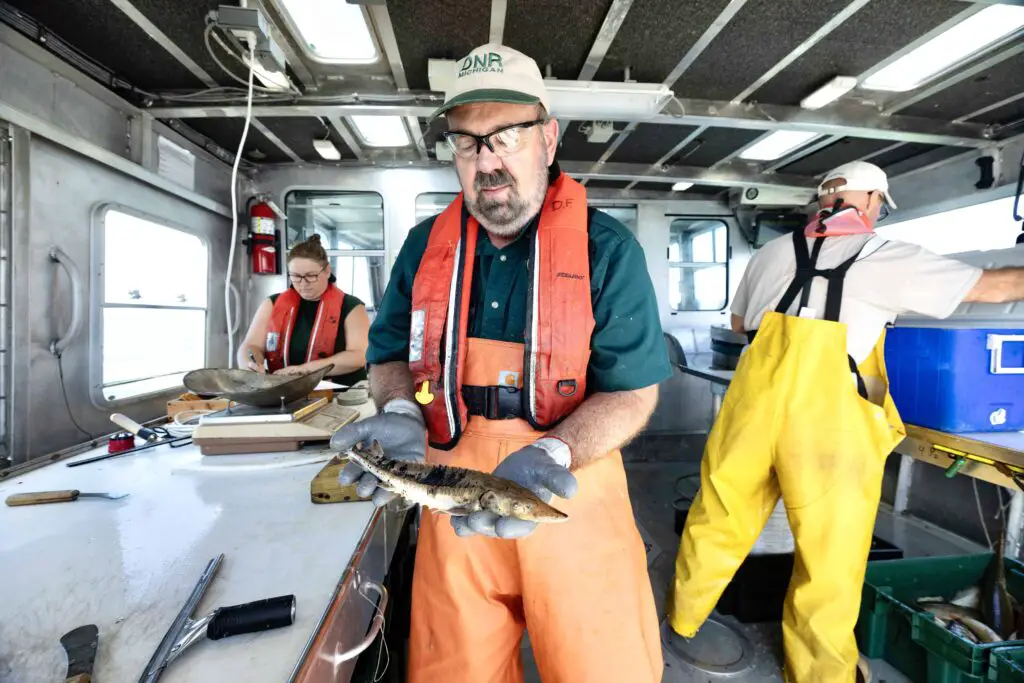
x=957 y=380
x=964 y=373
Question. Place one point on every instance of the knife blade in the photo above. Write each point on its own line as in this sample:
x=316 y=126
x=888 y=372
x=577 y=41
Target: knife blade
x=80 y=645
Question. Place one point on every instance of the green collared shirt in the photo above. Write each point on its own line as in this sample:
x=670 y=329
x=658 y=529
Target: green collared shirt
x=627 y=348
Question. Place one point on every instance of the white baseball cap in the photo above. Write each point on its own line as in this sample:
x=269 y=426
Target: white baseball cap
x=859 y=176
x=495 y=73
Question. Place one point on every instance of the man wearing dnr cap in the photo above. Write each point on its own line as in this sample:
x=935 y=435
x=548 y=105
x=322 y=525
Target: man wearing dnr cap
x=519 y=334
x=808 y=414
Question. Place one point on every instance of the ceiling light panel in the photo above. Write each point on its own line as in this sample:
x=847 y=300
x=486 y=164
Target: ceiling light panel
x=828 y=93
x=974 y=34
x=381 y=131
x=776 y=145
x=332 y=31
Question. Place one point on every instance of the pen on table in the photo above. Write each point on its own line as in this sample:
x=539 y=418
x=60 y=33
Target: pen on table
x=252 y=357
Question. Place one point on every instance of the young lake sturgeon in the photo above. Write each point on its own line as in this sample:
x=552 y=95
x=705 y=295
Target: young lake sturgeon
x=453 y=490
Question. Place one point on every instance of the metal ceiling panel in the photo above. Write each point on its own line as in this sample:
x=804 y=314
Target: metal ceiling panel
x=901 y=153
x=931 y=156
x=689 y=193
x=847 y=149
x=995 y=84
x=649 y=142
x=701 y=191
x=440 y=29
x=1008 y=113
x=575 y=146
x=874 y=33
x=655 y=36
x=299 y=134
x=183 y=22
x=761 y=35
x=653 y=187
x=715 y=144
x=913 y=156
x=609 y=184
x=555 y=32
x=107 y=35
x=227 y=133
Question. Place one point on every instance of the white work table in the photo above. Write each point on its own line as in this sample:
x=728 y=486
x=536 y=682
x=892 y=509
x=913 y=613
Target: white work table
x=129 y=565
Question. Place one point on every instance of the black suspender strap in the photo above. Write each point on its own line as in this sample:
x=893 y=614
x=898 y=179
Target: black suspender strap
x=862 y=388
x=806 y=271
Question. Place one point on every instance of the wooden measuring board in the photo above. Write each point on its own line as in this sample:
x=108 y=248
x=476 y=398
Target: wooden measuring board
x=229 y=439
x=324 y=487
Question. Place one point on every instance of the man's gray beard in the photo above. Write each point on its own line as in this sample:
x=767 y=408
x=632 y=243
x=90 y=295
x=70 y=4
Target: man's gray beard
x=508 y=218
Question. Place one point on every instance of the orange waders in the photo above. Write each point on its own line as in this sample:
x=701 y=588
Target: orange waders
x=580 y=587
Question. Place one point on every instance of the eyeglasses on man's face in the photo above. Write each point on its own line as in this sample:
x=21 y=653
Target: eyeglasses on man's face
x=502 y=142
x=308 y=278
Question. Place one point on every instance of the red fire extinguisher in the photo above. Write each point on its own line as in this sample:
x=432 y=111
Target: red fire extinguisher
x=264 y=237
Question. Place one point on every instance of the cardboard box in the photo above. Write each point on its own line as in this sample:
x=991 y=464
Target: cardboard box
x=189 y=401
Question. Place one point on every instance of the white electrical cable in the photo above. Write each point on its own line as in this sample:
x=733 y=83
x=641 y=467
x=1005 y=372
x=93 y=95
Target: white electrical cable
x=234 y=209
x=185 y=422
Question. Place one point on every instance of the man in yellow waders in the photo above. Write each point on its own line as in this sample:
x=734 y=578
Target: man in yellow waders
x=808 y=415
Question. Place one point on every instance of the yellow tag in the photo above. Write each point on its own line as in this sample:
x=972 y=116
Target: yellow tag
x=423 y=396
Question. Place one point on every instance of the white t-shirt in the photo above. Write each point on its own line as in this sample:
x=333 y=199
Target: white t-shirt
x=888 y=279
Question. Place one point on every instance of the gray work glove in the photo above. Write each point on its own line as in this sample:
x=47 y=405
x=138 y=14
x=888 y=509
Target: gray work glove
x=541 y=467
x=402 y=433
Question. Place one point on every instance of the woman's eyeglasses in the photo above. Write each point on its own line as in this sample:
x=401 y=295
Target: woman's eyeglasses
x=309 y=278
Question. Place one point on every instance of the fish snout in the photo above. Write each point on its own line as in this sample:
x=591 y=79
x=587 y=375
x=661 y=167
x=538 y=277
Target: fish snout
x=530 y=509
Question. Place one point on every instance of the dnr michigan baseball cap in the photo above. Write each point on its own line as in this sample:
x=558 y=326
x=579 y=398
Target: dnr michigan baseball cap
x=495 y=73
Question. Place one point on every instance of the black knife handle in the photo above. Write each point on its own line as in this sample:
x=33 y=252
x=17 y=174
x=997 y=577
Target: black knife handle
x=252 y=617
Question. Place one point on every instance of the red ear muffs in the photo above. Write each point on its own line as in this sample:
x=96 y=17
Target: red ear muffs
x=846 y=221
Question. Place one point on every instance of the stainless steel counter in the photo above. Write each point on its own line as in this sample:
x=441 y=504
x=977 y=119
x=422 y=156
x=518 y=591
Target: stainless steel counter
x=129 y=565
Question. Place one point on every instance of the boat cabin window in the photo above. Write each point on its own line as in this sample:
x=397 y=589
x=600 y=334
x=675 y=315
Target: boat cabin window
x=152 y=318
x=432 y=203
x=980 y=227
x=351 y=229
x=627 y=215
x=698 y=264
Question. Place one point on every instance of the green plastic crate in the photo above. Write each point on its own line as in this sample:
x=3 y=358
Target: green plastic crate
x=885 y=625
x=918 y=647
x=952 y=659
x=1006 y=665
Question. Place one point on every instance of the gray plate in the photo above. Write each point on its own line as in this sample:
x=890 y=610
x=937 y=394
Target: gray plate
x=253 y=388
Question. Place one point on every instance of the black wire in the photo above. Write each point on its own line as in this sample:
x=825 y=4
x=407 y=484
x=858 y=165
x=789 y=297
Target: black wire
x=1020 y=188
x=67 y=404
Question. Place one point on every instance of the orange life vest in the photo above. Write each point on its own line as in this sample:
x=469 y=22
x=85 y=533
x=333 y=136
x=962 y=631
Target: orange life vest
x=282 y=320
x=559 y=321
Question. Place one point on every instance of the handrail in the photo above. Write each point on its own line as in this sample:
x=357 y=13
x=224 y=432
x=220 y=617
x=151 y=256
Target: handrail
x=58 y=345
